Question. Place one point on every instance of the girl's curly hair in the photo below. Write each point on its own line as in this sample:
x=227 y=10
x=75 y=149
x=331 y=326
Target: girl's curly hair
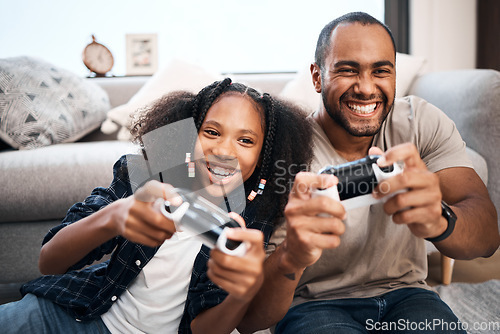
x=287 y=147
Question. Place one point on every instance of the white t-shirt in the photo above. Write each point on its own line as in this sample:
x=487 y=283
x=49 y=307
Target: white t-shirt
x=154 y=302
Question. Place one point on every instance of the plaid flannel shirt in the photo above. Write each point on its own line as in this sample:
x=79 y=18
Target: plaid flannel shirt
x=203 y=293
x=87 y=291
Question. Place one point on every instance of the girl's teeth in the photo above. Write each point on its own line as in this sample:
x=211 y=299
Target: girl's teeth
x=220 y=171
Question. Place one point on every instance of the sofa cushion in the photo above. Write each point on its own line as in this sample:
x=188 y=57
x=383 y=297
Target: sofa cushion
x=177 y=75
x=301 y=89
x=471 y=98
x=43 y=183
x=41 y=104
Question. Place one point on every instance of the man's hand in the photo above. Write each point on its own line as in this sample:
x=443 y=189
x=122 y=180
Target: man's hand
x=420 y=206
x=307 y=233
x=140 y=219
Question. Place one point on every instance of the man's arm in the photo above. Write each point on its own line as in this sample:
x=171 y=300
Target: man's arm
x=476 y=230
x=307 y=235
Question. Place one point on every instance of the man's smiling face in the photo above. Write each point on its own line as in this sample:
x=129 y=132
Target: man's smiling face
x=358 y=79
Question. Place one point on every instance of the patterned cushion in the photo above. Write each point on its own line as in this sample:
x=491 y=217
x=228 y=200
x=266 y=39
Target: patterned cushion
x=41 y=104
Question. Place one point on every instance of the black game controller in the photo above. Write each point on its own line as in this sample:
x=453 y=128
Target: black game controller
x=204 y=219
x=357 y=179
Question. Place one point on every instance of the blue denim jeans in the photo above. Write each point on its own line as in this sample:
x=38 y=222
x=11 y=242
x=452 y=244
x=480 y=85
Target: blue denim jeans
x=409 y=310
x=38 y=315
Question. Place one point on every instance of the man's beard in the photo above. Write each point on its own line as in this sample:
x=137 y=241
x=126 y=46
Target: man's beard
x=340 y=118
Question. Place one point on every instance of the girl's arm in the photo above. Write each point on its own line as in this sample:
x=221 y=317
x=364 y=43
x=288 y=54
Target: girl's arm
x=136 y=220
x=241 y=277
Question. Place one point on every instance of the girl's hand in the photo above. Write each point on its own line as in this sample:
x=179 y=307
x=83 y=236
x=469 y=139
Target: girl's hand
x=241 y=277
x=136 y=218
x=140 y=220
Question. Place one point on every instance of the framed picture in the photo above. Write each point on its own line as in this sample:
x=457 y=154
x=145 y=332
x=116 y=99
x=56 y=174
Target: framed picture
x=142 y=54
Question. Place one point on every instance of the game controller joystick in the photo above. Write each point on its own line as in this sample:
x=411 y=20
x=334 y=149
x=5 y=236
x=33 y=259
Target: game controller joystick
x=357 y=179
x=206 y=220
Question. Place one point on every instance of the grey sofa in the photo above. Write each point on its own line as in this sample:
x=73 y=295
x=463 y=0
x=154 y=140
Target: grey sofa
x=38 y=186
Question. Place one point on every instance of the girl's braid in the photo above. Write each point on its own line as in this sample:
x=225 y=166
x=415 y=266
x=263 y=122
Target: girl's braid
x=213 y=91
x=267 y=147
x=271 y=125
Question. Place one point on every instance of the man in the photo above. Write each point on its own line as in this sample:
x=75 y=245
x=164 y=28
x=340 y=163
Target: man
x=364 y=270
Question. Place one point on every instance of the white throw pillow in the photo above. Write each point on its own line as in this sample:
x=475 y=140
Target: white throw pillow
x=301 y=89
x=177 y=75
x=408 y=68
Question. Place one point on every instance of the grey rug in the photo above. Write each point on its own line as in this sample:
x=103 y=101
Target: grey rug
x=476 y=305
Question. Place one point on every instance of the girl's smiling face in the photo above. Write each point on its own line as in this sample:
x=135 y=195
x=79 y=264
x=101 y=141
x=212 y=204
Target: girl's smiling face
x=229 y=143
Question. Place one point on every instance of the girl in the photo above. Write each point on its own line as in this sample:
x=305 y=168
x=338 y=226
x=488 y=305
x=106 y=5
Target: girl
x=142 y=287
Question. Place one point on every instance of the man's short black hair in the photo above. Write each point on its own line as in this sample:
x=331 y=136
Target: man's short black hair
x=323 y=45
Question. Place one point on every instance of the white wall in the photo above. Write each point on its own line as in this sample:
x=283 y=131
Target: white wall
x=221 y=35
x=444 y=33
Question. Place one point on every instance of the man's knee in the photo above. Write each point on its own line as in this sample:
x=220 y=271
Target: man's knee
x=424 y=312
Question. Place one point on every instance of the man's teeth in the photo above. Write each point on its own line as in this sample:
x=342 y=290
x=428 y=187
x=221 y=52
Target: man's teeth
x=363 y=109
